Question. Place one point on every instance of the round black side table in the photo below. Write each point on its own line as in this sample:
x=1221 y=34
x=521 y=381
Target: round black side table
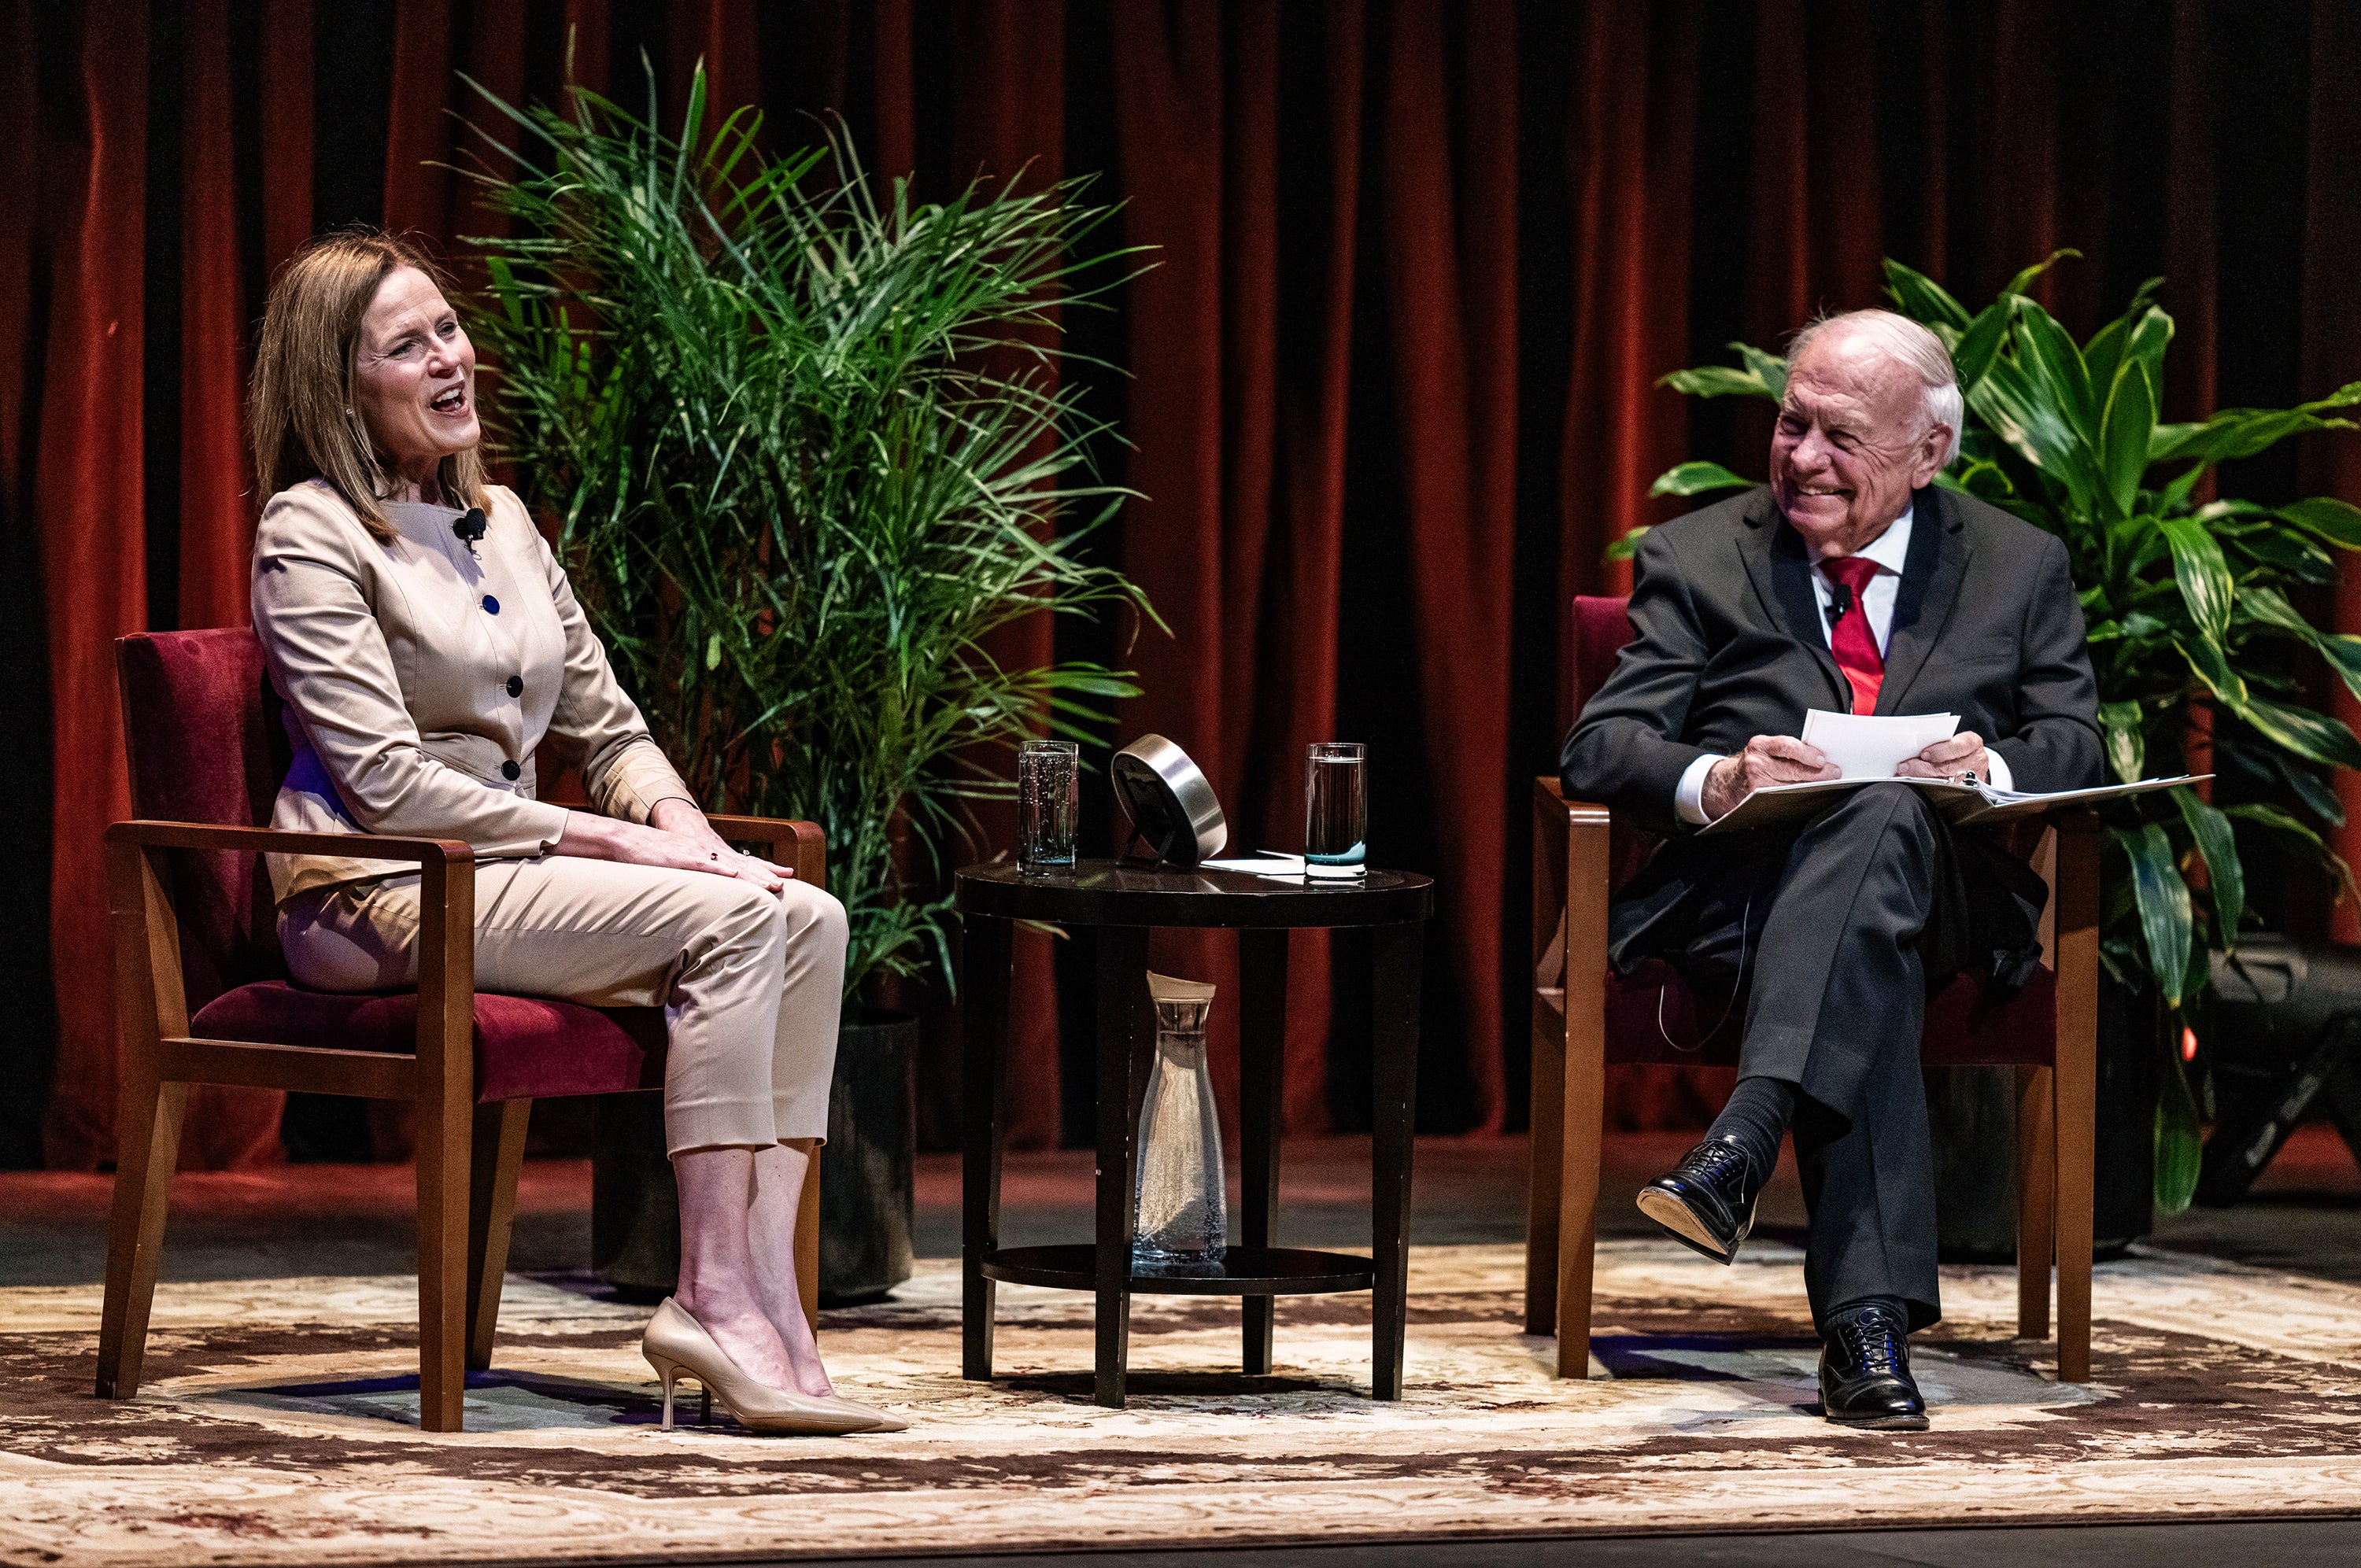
x=1122 y=901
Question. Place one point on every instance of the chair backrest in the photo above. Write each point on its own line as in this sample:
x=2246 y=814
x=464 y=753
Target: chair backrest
x=201 y=728
x=1601 y=628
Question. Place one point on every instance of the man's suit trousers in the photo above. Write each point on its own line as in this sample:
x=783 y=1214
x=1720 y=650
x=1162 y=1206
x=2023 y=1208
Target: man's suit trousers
x=1840 y=928
x=751 y=983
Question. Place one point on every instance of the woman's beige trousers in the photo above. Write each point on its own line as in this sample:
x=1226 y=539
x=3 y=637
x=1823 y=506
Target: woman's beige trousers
x=751 y=983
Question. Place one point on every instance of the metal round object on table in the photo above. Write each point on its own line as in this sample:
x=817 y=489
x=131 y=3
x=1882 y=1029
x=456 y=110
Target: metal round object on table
x=1168 y=800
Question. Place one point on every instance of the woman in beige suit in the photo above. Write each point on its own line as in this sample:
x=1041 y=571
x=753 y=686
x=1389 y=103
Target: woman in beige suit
x=426 y=642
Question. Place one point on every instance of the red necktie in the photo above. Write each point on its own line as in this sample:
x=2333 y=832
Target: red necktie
x=1851 y=640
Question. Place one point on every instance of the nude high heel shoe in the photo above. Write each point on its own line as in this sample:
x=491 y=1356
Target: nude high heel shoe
x=677 y=1346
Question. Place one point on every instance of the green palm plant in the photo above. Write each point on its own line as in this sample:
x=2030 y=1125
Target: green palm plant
x=2188 y=604
x=803 y=466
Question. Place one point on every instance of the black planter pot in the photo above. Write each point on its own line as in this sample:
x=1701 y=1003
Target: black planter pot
x=868 y=1177
x=1972 y=1115
x=868 y=1182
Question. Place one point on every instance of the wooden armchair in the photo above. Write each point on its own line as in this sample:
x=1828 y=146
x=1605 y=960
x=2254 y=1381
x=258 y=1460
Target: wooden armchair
x=203 y=998
x=1585 y=1018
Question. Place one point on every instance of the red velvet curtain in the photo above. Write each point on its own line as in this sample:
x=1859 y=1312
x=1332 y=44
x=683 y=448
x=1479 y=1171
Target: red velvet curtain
x=1390 y=383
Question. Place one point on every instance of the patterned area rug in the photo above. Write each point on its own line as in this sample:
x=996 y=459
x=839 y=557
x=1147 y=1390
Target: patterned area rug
x=272 y=1430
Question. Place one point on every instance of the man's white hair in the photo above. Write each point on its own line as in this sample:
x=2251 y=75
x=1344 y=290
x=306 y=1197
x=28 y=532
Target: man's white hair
x=1911 y=345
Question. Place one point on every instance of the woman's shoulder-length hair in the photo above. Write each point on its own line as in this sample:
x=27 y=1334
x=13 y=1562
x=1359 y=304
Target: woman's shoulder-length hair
x=299 y=405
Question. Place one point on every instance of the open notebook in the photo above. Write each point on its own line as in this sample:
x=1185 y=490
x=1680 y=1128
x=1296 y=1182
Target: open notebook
x=1777 y=806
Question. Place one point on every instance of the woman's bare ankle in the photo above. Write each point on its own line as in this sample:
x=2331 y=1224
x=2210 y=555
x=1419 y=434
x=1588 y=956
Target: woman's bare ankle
x=736 y=1321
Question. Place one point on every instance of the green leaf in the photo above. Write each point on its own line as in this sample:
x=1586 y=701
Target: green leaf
x=2106 y=351
x=2310 y=788
x=2201 y=574
x=2049 y=353
x=2120 y=721
x=1980 y=343
x=1623 y=549
x=2180 y=1151
x=2269 y=607
x=2285 y=549
x=2150 y=337
x=2023 y=407
x=2024 y=281
x=2130 y=420
x=1768 y=368
x=2163 y=898
x=2278 y=823
x=2337 y=522
x=2226 y=874
x=2167 y=440
x=1719 y=381
x=2234 y=434
x=2314 y=736
x=1696 y=478
x=1922 y=299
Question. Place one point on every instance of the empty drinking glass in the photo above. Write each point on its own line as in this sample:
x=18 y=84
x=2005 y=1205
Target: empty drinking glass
x=1336 y=811
x=1048 y=794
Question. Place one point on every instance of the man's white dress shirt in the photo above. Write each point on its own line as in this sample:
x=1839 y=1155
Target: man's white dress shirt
x=1890 y=550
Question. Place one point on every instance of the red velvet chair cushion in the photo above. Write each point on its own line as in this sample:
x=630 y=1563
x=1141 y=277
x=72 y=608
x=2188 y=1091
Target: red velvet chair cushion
x=1968 y=1021
x=1601 y=629
x=527 y=1047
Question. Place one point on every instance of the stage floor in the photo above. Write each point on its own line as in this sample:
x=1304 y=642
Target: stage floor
x=279 y=1425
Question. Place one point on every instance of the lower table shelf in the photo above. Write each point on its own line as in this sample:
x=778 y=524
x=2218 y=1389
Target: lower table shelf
x=1245 y=1271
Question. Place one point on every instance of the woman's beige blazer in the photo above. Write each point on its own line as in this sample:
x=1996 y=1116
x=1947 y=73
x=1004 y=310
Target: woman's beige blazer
x=420 y=675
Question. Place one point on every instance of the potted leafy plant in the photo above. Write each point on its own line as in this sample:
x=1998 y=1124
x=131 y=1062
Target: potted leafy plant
x=805 y=455
x=2192 y=627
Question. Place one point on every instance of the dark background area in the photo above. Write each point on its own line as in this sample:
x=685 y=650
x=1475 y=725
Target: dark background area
x=1389 y=389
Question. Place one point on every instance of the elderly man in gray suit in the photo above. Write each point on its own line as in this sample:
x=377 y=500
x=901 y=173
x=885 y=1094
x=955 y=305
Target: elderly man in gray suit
x=1851 y=582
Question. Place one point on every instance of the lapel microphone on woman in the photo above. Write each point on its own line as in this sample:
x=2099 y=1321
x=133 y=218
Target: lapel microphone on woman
x=470 y=527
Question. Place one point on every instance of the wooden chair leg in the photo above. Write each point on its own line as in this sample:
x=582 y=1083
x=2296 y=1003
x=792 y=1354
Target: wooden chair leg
x=446 y=1131
x=149 y=1146
x=2074 y=1088
x=807 y=1240
x=1577 y=1229
x=1544 y=1191
x=2037 y=1201
x=492 y=1168
x=2076 y=1091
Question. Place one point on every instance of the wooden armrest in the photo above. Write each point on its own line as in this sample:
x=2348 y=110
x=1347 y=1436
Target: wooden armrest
x=810 y=848
x=152 y=994
x=1549 y=793
x=1573 y=865
x=274 y=841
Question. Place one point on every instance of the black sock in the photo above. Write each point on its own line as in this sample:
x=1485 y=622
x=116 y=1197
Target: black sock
x=1757 y=1117
x=1894 y=1304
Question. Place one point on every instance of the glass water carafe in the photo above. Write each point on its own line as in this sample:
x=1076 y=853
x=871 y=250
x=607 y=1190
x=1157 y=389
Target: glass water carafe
x=1181 y=1218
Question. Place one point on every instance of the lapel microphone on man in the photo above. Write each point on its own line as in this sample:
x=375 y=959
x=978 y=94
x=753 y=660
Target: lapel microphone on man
x=1840 y=596
x=470 y=528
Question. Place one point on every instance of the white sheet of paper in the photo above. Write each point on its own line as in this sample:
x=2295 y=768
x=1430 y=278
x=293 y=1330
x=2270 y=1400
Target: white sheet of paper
x=1265 y=865
x=1869 y=746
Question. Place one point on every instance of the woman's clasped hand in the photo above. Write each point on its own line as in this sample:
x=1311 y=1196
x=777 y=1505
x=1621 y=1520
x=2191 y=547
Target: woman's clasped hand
x=676 y=837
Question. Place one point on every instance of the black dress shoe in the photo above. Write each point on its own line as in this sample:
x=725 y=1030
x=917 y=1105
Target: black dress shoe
x=1707 y=1201
x=1865 y=1370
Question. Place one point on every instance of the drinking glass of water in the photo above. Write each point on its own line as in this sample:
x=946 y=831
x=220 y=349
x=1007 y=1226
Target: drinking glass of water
x=1049 y=796
x=1336 y=811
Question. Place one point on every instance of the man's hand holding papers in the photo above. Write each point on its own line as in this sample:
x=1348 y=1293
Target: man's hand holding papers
x=1766 y=760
